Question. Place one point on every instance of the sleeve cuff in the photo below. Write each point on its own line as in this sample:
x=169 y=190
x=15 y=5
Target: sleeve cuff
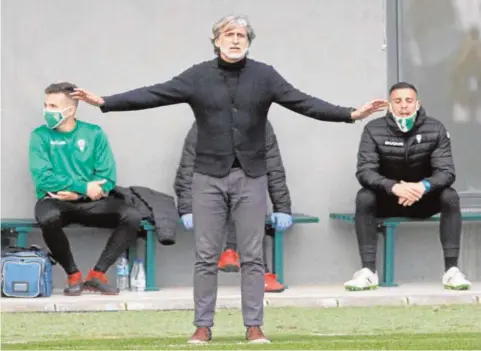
x=282 y=210
x=388 y=184
x=349 y=118
x=80 y=187
x=184 y=211
x=103 y=107
x=108 y=187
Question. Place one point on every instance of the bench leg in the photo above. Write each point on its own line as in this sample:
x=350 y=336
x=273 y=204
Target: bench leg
x=22 y=237
x=278 y=256
x=389 y=251
x=150 y=261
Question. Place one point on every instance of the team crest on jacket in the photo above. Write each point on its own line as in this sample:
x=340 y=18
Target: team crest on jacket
x=419 y=137
x=81 y=144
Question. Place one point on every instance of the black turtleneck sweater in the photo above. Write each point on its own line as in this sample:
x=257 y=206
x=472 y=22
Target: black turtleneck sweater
x=230 y=102
x=231 y=71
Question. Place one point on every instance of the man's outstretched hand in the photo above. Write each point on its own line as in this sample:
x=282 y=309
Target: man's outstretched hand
x=369 y=108
x=88 y=97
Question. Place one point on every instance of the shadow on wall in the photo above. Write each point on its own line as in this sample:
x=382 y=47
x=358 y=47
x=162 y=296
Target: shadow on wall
x=441 y=54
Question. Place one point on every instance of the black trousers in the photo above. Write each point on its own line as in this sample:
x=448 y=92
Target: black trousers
x=370 y=205
x=53 y=215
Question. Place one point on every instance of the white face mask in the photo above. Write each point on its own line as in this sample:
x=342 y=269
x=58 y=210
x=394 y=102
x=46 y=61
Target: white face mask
x=234 y=55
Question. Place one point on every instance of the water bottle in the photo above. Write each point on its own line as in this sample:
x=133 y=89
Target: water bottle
x=137 y=278
x=123 y=273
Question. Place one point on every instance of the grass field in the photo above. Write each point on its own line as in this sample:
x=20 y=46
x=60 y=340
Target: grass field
x=414 y=327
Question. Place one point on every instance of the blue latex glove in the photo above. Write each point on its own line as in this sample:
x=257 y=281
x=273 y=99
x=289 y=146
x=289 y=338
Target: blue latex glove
x=281 y=221
x=188 y=221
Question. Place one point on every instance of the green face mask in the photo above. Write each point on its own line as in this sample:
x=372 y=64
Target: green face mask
x=405 y=124
x=53 y=118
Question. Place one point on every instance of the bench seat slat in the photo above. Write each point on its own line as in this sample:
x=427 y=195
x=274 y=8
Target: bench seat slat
x=465 y=215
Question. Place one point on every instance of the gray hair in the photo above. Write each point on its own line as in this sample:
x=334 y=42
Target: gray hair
x=231 y=20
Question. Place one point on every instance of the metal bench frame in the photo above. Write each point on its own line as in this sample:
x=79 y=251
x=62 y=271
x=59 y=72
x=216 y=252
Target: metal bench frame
x=387 y=227
x=23 y=227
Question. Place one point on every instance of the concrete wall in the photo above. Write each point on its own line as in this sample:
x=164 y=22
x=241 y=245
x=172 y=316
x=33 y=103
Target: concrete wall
x=331 y=49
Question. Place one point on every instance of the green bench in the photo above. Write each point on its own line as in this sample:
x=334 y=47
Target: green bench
x=22 y=227
x=278 y=246
x=387 y=227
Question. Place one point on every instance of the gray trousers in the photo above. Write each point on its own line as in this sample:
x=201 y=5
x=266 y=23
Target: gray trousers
x=231 y=243
x=213 y=200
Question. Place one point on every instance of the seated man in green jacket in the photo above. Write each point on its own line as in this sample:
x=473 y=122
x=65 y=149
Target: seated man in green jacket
x=278 y=192
x=73 y=170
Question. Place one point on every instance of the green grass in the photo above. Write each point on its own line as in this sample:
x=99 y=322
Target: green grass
x=455 y=341
x=413 y=327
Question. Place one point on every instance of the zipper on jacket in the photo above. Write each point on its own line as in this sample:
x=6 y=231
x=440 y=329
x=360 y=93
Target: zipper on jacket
x=406 y=150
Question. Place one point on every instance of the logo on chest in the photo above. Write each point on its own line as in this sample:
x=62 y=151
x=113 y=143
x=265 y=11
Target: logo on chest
x=394 y=143
x=58 y=142
x=81 y=144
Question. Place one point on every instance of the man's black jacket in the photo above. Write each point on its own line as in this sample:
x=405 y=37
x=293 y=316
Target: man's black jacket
x=228 y=127
x=387 y=155
x=156 y=207
x=276 y=174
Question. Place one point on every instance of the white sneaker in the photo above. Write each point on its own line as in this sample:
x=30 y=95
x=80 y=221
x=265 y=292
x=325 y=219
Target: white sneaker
x=453 y=279
x=363 y=279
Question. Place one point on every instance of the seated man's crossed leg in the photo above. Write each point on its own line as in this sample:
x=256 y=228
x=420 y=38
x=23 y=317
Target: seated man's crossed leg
x=53 y=215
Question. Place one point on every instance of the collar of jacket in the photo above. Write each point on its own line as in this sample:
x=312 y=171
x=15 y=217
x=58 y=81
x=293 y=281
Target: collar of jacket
x=391 y=123
x=242 y=64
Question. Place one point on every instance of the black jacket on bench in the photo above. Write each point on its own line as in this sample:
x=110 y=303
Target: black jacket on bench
x=276 y=174
x=229 y=127
x=387 y=155
x=156 y=207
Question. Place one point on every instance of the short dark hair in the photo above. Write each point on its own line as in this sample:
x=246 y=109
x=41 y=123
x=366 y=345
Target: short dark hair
x=62 y=87
x=402 y=85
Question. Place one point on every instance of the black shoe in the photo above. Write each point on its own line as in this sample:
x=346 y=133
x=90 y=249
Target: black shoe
x=75 y=285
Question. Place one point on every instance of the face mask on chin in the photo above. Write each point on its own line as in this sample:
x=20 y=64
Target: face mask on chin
x=54 y=118
x=405 y=124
